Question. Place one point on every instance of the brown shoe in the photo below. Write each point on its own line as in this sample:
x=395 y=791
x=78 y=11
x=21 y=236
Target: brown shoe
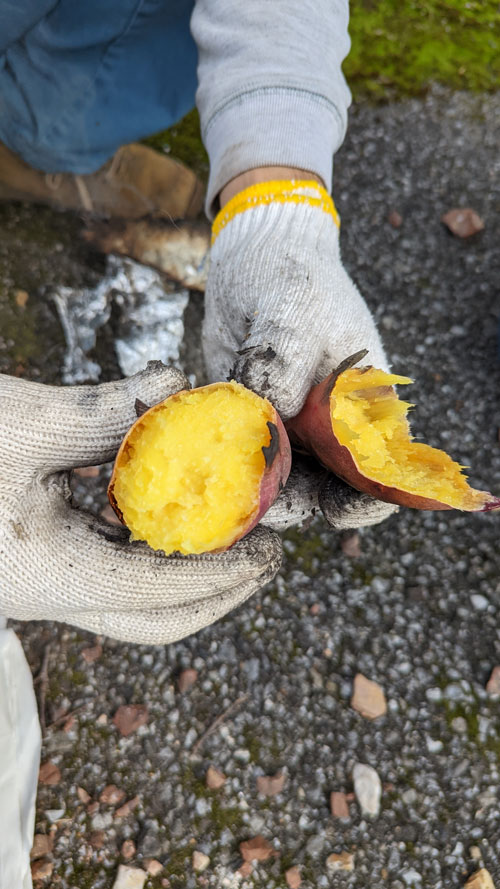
x=137 y=181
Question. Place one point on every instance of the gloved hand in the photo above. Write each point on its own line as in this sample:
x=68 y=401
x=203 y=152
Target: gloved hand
x=281 y=313
x=60 y=563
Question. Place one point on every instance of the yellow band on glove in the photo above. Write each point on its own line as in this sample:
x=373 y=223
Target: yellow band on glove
x=297 y=191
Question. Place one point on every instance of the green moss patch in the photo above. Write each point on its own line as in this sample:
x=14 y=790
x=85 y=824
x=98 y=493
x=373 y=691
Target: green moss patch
x=400 y=47
x=183 y=142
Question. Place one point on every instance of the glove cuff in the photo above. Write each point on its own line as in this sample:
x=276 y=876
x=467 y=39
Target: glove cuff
x=299 y=192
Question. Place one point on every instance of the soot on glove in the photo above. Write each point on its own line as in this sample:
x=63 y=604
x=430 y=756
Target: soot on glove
x=280 y=310
x=281 y=313
x=60 y=563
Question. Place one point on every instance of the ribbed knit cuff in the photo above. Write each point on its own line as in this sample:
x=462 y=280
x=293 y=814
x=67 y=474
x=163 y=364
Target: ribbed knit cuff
x=296 y=192
x=271 y=127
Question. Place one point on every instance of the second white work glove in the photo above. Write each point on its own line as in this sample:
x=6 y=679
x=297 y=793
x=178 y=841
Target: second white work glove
x=61 y=563
x=281 y=313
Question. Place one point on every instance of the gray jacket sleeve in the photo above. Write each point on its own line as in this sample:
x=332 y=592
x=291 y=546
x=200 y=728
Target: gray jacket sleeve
x=271 y=89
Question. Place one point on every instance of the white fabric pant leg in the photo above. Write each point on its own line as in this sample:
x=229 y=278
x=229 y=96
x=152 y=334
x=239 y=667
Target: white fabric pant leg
x=20 y=740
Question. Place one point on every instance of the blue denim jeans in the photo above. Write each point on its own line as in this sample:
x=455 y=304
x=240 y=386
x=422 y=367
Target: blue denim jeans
x=79 y=79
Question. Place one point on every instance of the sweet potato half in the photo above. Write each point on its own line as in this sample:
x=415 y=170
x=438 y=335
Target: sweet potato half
x=354 y=423
x=197 y=472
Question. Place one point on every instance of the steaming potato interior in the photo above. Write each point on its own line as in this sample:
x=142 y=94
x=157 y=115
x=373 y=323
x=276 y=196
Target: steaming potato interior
x=375 y=428
x=192 y=469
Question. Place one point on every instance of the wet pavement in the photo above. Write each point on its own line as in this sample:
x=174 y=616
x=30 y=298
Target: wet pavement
x=417 y=610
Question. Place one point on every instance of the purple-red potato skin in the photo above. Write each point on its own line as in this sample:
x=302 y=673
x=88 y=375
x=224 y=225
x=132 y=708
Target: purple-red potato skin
x=276 y=472
x=278 y=462
x=311 y=430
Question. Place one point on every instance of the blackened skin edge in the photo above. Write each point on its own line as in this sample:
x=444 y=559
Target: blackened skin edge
x=140 y=407
x=344 y=365
x=273 y=447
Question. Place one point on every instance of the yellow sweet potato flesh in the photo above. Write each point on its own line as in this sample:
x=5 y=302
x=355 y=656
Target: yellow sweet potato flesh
x=369 y=419
x=190 y=476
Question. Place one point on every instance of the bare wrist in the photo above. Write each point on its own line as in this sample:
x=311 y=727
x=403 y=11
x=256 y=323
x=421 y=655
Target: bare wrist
x=263 y=174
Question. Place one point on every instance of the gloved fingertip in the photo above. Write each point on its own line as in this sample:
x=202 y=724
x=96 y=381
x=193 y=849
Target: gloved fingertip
x=263 y=550
x=271 y=375
x=158 y=370
x=297 y=505
x=252 y=368
x=153 y=384
x=344 y=507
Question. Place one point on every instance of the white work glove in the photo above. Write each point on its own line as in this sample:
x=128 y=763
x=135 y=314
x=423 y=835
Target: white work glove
x=60 y=563
x=281 y=313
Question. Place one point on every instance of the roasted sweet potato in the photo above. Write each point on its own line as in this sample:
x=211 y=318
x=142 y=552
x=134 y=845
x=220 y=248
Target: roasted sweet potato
x=197 y=472
x=354 y=423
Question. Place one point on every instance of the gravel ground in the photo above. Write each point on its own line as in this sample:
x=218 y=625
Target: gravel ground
x=416 y=611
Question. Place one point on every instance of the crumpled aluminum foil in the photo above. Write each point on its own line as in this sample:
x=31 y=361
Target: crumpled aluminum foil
x=150 y=324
